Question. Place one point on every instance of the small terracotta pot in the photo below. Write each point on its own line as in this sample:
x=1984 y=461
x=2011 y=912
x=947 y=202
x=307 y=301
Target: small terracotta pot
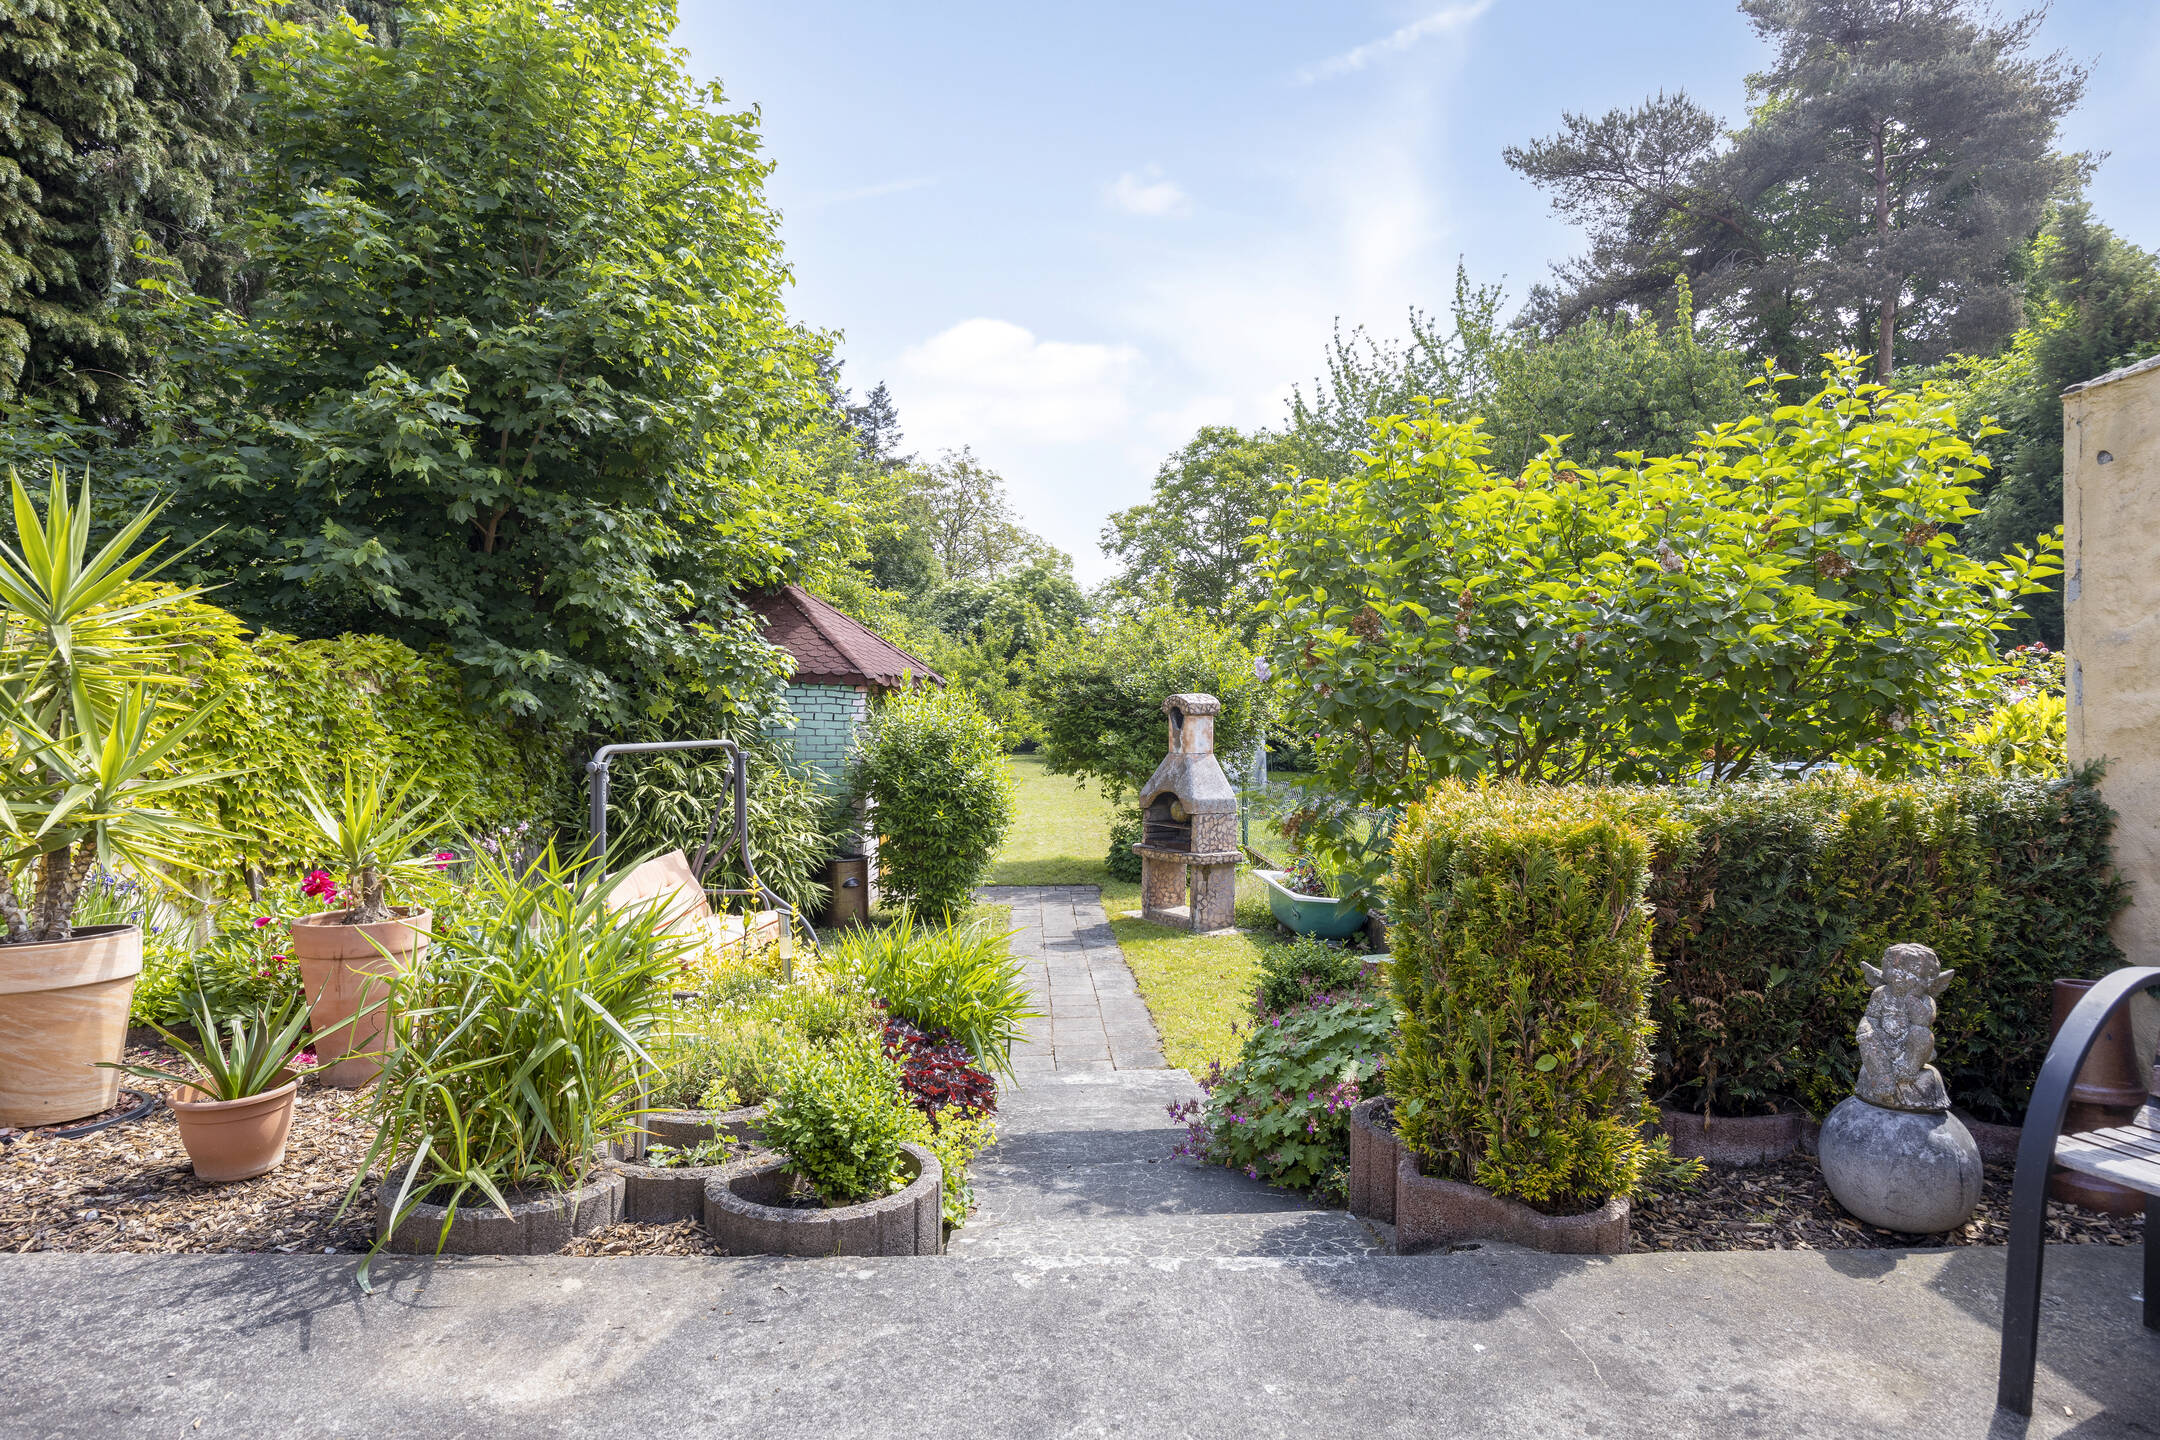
x=342 y=968
x=63 y=1008
x=234 y=1139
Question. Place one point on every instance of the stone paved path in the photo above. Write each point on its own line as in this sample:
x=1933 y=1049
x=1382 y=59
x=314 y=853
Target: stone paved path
x=1084 y=1172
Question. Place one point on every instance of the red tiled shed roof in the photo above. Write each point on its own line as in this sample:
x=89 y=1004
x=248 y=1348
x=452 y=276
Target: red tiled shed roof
x=829 y=647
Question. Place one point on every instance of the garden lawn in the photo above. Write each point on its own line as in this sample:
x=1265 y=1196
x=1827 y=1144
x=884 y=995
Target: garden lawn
x=1196 y=987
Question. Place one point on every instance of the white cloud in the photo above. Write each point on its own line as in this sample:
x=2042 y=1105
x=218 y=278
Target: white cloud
x=1147 y=192
x=987 y=378
x=1454 y=17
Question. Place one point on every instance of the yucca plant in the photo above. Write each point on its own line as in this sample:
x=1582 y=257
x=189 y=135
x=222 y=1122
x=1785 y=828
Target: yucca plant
x=372 y=829
x=92 y=738
x=961 y=979
x=518 y=1040
x=248 y=1057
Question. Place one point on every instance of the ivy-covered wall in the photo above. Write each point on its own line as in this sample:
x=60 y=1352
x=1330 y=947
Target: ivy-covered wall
x=297 y=707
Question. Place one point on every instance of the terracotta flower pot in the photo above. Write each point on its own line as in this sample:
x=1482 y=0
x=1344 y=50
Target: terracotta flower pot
x=63 y=1008
x=234 y=1139
x=345 y=966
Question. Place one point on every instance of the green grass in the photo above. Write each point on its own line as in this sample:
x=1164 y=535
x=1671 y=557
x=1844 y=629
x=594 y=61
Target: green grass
x=1197 y=987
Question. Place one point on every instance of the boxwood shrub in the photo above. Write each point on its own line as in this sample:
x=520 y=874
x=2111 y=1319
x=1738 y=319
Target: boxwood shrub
x=1522 y=968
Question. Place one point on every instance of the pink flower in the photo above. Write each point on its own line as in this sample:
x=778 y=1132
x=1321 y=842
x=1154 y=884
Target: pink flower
x=319 y=885
x=444 y=859
x=261 y=920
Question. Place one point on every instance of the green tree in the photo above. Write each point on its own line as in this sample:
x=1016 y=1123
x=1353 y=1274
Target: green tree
x=119 y=139
x=962 y=507
x=1099 y=694
x=1611 y=386
x=941 y=797
x=1787 y=591
x=1192 y=536
x=1896 y=155
x=517 y=365
x=2092 y=303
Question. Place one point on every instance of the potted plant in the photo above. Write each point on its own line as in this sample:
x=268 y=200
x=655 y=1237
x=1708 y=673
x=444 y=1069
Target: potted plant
x=235 y=1108
x=90 y=740
x=1298 y=899
x=347 y=956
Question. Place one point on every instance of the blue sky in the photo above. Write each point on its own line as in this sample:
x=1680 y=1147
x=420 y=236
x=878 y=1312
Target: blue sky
x=1068 y=236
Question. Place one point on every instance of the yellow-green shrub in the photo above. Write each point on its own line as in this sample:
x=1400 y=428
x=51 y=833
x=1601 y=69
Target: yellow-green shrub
x=1522 y=968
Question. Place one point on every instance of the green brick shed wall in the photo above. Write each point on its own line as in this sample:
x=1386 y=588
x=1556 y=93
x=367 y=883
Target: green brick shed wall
x=825 y=718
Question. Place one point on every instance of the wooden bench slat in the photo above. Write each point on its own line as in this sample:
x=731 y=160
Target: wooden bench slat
x=2136 y=1142
x=2105 y=1162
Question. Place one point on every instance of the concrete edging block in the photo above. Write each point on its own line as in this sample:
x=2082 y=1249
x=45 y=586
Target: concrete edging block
x=539 y=1225
x=1373 y=1153
x=1733 y=1139
x=1431 y=1212
x=739 y=1215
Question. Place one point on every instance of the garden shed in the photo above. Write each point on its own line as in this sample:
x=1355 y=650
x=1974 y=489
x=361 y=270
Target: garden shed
x=841 y=665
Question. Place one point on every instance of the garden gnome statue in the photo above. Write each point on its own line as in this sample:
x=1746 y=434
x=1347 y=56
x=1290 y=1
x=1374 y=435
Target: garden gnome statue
x=1892 y=1153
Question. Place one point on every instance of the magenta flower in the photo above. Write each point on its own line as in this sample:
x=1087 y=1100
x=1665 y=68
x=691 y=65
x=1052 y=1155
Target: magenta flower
x=261 y=921
x=444 y=859
x=319 y=885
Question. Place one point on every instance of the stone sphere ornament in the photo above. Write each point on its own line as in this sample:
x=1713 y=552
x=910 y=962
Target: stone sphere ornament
x=1892 y=1153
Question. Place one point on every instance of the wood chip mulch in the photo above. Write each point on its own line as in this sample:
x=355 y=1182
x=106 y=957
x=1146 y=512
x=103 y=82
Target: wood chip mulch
x=129 y=1188
x=1786 y=1206
x=684 y=1237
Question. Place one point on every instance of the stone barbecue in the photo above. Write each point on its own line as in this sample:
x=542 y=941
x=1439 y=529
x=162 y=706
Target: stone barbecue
x=1189 y=826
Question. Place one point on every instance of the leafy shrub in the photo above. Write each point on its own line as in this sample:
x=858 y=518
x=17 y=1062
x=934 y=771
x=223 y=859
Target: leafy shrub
x=1292 y=974
x=943 y=799
x=956 y=1137
x=1789 y=589
x=959 y=979
x=1121 y=862
x=839 y=1116
x=518 y=1039
x=1769 y=895
x=2025 y=737
x=1281 y=1112
x=1522 y=966
x=937 y=1073
x=725 y=1064
x=666 y=801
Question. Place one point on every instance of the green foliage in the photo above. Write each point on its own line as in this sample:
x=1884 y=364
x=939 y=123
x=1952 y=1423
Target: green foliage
x=1281 y=1113
x=298 y=708
x=1769 y=896
x=666 y=802
x=1610 y=387
x=1125 y=830
x=930 y=764
x=246 y=1055
x=514 y=364
x=518 y=1039
x=955 y=1137
x=372 y=830
x=961 y=979
x=1191 y=537
x=242 y=967
x=1522 y=968
x=1100 y=696
x=2025 y=737
x=121 y=138
x=1294 y=973
x=1786 y=592
x=840 y=1117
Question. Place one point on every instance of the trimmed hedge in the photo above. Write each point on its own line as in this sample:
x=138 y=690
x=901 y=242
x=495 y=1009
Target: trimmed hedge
x=1522 y=967
x=1769 y=895
x=942 y=797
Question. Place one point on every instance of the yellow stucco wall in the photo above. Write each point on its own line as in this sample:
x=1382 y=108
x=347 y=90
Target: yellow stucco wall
x=2111 y=613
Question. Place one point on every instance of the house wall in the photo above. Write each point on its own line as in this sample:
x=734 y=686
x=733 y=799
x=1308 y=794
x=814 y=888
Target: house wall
x=2111 y=623
x=825 y=718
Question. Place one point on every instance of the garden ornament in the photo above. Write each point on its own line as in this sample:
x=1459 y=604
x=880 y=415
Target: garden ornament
x=1892 y=1153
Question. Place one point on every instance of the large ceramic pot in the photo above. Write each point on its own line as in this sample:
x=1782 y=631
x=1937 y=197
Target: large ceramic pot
x=1310 y=914
x=234 y=1139
x=342 y=968
x=63 y=1008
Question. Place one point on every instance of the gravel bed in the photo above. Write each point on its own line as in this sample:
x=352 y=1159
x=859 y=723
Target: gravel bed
x=684 y=1237
x=1786 y=1206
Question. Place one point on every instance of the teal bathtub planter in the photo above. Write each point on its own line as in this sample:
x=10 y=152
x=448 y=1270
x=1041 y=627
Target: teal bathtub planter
x=1310 y=914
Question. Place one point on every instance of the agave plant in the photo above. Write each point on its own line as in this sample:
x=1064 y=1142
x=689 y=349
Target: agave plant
x=247 y=1058
x=91 y=729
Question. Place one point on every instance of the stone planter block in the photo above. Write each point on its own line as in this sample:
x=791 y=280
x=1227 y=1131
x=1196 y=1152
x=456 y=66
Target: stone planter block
x=740 y=1215
x=1373 y=1152
x=1430 y=1213
x=694 y=1127
x=1732 y=1139
x=539 y=1225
